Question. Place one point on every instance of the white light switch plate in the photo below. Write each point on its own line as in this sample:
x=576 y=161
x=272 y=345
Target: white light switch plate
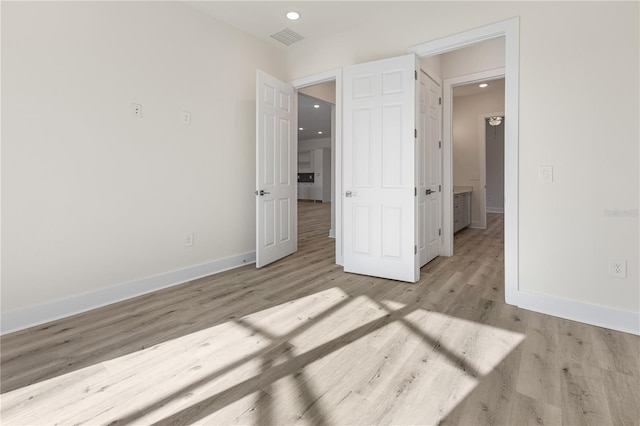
x=545 y=174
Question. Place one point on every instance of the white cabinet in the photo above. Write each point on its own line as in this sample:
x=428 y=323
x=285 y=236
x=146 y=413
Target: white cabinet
x=317 y=162
x=305 y=191
x=461 y=210
x=305 y=160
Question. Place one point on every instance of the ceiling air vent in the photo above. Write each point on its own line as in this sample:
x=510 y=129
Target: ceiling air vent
x=287 y=36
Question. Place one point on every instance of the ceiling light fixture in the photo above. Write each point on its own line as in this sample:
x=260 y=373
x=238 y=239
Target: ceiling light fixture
x=300 y=128
x=292 y=16
x=319 y=133
x=483 y=85
x=495 y=121
x=316 y=106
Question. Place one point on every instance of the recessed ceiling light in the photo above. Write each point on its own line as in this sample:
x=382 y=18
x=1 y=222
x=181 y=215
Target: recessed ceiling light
x=316 y=106
x=292 y=16
x=300 y=128
x=319 y=133
x=483 y=85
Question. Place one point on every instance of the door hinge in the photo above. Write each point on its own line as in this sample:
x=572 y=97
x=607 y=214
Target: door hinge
x=415 y=133
x=439 y=144
x=439 y=101
x=415 y=249
x=415 y=191
x=415 y=73
x=439 y=188
x=439 y=232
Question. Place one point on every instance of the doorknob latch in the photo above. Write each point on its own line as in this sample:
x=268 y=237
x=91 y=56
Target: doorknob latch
x=262 y=192
x=349 y=194
x=428 y=191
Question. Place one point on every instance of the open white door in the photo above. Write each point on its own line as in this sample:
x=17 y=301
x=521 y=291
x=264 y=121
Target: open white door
x=430 y=169
x=379 y=169
x=276 y=168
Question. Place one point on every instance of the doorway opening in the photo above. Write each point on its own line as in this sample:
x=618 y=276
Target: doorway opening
x=327 y=88
x=507 y=33
x=316 y=119
x=478 y=167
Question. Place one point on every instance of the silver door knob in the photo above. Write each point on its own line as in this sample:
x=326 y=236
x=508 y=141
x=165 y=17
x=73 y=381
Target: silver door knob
x=428 y=191
x=262 y=192
x=349 y=194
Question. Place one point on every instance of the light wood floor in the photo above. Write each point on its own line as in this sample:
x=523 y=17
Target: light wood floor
x=301 y=342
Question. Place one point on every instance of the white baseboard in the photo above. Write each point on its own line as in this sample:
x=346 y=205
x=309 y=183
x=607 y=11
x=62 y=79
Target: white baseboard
x=601 y=316
x=495 y=209
x=30 y=316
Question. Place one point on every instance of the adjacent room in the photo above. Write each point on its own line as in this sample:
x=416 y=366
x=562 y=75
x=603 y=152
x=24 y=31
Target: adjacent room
x=453 y=254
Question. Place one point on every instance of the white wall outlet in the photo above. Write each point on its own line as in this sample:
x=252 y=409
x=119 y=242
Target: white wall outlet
x=185 y=117
x=136 y=110
x=618 y=268
x=188 y=239
x=545 y=174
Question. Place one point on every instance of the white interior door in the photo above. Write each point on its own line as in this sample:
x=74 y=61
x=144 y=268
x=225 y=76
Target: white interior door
x=379 y=169
x=276 y=169
x=430 y=169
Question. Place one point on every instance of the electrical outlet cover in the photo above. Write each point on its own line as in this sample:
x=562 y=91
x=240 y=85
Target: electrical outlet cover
x=136 y=110
x=618 y=268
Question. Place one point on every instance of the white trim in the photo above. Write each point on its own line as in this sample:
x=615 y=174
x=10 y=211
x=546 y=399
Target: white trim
x=319 y=78
x=466 y=39
x=30 y=316
x=510 y=30
x=601 y=316
x=334 y=74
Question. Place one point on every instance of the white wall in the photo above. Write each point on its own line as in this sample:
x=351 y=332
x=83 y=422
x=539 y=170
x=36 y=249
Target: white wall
x=488 y=55
x=578 y=112
x=92 y=198
x=467 y=158
x=432 y=64
x=324 y=91
x=311 y=144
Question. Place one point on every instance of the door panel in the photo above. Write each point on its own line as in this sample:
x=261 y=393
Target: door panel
x=379 y=169
x=430 y=157
x=434 y=168
x=276 y=184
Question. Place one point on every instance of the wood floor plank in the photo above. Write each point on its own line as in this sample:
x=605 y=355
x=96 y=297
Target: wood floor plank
x=301 y=342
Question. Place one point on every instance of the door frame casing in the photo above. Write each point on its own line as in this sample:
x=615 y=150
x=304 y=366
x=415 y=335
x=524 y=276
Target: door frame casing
x=510 y=30
x=336 y=148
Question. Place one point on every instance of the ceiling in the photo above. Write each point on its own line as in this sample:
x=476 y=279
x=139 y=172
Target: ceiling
x=317 y=18
x=474 y=89
x=313 y=120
